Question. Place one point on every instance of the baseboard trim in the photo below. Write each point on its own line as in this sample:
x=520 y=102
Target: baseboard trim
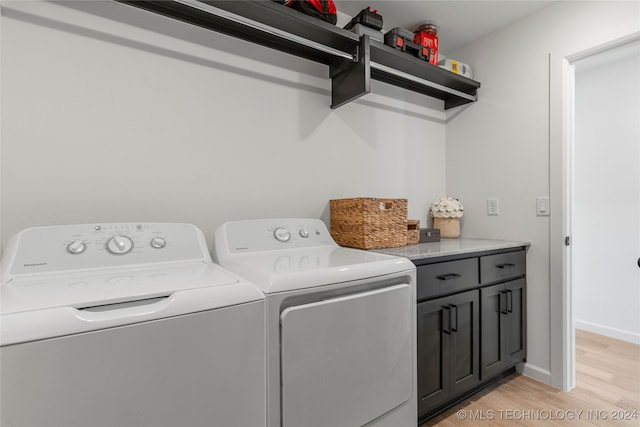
x=607 y=331
x=535 y=372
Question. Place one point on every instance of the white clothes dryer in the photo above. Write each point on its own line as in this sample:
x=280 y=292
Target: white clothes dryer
x=127 y=325
x=341 y=322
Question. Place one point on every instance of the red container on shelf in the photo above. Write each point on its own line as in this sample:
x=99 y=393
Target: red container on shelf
x=426 y=36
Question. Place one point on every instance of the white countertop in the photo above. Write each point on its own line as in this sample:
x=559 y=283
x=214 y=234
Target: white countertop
x=446 y=247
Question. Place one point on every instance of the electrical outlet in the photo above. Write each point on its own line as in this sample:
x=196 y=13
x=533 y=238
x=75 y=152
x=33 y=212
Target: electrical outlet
x=493 y=208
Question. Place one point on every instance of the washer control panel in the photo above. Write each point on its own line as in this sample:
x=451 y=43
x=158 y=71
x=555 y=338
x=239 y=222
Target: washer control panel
x=79 y=247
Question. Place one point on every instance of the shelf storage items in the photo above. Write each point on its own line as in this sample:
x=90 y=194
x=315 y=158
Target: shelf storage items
x=353 y=60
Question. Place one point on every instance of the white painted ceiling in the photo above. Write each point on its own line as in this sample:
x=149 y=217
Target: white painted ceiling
x=460 y=22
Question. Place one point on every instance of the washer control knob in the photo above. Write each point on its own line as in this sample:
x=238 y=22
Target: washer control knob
x=119 y=245
x=281 y=234
x=76 y=247
x=304 y=233
x=158 y=243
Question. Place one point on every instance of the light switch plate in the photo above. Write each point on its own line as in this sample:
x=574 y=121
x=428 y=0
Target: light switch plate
x=493 y=207
x=542 y=206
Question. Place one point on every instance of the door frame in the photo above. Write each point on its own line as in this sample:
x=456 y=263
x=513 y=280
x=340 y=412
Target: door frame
x=561 y=158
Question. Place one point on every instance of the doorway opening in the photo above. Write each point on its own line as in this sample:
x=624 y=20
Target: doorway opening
x=596 y=179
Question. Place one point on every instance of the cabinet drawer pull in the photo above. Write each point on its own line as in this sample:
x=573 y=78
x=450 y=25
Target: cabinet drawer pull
x=446 y=320
x=454 y=318
x=505 y=265
x=449 y=276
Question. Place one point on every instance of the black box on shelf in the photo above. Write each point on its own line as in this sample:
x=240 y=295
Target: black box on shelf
x=367 y=17
x=398 y=38
x=402 y=39
x=429 y=235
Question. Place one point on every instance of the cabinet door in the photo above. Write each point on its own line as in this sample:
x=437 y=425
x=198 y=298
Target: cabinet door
x=493 y=335
x=434 y=332
x=515 y=325
x=464 y=347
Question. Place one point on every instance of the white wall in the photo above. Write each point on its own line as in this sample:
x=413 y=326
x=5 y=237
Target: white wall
x=500 y=147
x=110 y=113
x=606 y=224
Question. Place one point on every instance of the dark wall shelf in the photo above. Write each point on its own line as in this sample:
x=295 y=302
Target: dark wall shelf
x=262 y=22
x=353 y=60
x=400 y=69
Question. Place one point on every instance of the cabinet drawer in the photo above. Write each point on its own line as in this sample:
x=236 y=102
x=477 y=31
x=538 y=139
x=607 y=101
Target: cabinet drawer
x=447 y=277
x=502 y=266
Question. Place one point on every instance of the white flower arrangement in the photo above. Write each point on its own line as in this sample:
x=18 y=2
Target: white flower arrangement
x=447 y=207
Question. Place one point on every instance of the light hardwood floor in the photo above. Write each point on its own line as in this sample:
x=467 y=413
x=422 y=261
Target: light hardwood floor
x=607 y=393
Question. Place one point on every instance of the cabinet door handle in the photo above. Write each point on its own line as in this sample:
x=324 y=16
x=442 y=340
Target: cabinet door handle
x=446 y=320
x=509 y=301
x=503 y=298
x=505 y=265
x=454 y=318
x=449 y=276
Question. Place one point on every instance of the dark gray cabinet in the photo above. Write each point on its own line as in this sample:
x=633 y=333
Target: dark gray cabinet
x=501 y=267
x=471 y=324
x=448 y=348
x=503 y=312
x=503 y=333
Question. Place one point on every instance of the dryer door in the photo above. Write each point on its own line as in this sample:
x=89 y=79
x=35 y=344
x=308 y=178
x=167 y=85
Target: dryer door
x=347 y=360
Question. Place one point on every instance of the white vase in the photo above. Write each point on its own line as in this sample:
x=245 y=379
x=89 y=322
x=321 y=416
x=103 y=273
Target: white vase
x=449 y=227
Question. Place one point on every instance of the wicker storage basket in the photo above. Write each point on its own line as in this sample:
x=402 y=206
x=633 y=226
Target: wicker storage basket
x=413 y=231
x=367 y=223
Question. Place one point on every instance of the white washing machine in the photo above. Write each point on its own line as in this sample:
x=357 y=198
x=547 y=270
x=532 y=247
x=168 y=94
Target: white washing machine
x=341 y=322
x=123 y=325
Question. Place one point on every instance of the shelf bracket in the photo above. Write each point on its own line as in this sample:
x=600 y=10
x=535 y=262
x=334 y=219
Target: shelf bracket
x=350 y=80
x=339 y=65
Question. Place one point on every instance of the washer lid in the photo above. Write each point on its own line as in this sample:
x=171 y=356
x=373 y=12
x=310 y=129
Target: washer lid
x=39 y=307
x=111 y=286
x=301 y=268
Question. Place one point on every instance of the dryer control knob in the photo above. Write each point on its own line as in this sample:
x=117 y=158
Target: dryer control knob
x=76 y=247
x=158 y=243
x=119 y=245
x=304 y=233
x=281 y=234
